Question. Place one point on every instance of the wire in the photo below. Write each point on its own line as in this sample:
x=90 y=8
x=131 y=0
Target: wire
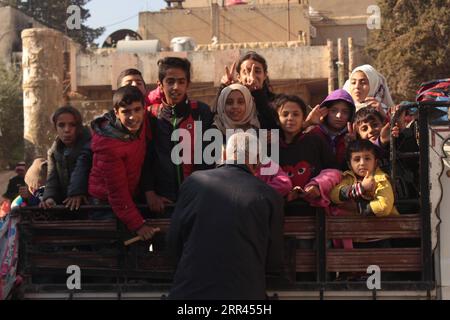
x=119 y=22
x=227 y=19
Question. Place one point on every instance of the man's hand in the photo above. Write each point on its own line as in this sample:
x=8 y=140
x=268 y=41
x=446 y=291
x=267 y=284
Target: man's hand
x=74 y=203
x=147 y=232
x=155 y=202
x=47 y=203
x=228 y=77
x=368 y=184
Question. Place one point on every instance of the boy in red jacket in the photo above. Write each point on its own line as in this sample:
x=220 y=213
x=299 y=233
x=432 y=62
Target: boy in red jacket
x=118 y=145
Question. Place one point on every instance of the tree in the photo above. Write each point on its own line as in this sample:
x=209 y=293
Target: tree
x=412 y=45
x=53 y=13
x=11 y=115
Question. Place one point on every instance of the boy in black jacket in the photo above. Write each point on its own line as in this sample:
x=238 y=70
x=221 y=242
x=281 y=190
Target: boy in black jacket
x=162 y=177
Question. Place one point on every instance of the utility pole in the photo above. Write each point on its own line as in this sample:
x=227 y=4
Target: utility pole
x=289 y=20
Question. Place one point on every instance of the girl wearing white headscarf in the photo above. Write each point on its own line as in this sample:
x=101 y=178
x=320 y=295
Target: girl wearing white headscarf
x=369 y=88
x=223 y=119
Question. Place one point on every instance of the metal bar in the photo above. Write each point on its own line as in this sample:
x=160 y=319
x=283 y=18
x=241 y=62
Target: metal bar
x=393 y=153
x=425 y=206
x=426 y=104
x=108 y=207
x=405 y=155
x=82 y=208
x=408 y=201
x=321 y=248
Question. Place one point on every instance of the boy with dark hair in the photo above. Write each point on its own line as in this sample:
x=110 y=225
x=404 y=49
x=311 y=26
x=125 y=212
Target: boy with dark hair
x=365 y=185
x=162 y=177
x=119 y=144
x=369 y=124
x=132 y=77
x=69 y=160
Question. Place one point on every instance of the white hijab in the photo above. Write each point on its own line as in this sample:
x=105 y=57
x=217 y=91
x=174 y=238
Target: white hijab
x=377 y=86
x=250 y=119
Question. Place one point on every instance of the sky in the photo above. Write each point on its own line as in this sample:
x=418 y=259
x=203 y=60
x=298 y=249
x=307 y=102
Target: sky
x=119 y=14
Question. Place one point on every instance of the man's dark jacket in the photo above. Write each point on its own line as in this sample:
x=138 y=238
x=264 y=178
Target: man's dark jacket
x=226 y=232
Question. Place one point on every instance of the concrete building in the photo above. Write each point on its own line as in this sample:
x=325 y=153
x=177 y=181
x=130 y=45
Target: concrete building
x=233 y=24
x=260 y=20
x=12 y=22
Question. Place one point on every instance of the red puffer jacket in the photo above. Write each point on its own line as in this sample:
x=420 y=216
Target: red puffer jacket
x=116 y=167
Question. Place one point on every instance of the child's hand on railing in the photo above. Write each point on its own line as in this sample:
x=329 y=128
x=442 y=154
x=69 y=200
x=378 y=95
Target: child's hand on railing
x=294 y=194
x=311 y=193
x=74 y=203
x=47 y=203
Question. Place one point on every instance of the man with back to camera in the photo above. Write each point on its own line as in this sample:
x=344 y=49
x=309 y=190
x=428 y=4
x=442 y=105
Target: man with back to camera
x=226 y=230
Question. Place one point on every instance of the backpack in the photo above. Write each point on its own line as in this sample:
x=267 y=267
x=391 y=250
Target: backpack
x=435 y=90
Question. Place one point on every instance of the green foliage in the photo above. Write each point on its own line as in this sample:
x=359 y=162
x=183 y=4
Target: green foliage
x=413 y=44
x=11 y=116
x=53 y=13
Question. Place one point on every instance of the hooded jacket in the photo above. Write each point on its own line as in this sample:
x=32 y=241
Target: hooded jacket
x=336 y=141
x=116 y=167
x=68 y=168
